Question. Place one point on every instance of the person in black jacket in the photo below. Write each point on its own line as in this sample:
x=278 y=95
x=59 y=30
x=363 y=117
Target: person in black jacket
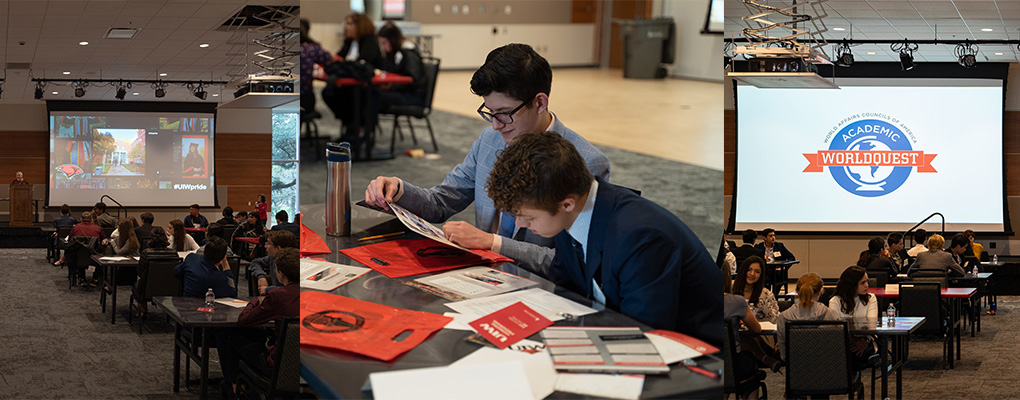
x=404 y=61
x=360 y=45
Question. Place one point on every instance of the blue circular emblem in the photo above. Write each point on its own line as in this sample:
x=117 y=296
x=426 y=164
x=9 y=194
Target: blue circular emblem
x=874 y=180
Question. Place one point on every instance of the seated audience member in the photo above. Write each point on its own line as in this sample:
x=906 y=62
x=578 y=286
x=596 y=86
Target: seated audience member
x=360 y=46
x=729 y=260
x=514 y=83
x=736 y=307
x=198 y=273
x=194 y=219
x=920 y=238
x=403 y=60
x=807 y=308
x=228 y=217
x=311 y=53
x=241 y=217
x=19 y=179
x=250 y=228
x=853 y=301
x=773 y=251
x=935 y=258
x=179 y=239
x=65 y=218
x=751 y=285
x=959 y=248
x=249 y=343
x=263 y=269
x=215 y=230
x=896 y=252
x=116 y=232
x=283 y=224
x=83 y=228
x=158 y=246
x=975 y=247
x=101 y=218
x=612 y=245
x=144 y=231
x=126 y=244
x=874 y=259
x=747 y=249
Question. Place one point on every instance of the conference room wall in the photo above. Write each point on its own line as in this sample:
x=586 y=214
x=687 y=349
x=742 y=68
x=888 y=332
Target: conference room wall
x=243 y=156
x=828 y=255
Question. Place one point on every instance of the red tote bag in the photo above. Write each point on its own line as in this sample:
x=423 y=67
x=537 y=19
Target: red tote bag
x=338 y=322
x=400 y=258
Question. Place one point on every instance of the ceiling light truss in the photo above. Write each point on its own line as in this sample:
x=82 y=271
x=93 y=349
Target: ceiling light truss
x=158 y=86
x=966 y=54
x=776 y=31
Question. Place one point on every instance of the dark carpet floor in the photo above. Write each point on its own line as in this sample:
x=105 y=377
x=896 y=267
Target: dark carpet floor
x=58 y=343
x=693 y=193
x=986 y=370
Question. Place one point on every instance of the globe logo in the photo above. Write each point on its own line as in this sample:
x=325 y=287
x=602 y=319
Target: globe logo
x=868 y=177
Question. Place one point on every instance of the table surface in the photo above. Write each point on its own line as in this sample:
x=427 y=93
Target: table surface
x=381 y=79
x=946 y=292
x=184 y=311
x=875 y=326
x=345 y=373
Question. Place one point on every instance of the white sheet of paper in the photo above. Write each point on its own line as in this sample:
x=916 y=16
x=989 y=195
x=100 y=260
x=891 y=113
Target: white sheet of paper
x=538 y=367
x=333 y=275
x=527 y=345
x=602 y=385
x=671 y=351
x=505 y=380
x=114 y=258
x=184 y=254
x=230 y=301
x=768 y=326
x=548 y=304
x=460 y=321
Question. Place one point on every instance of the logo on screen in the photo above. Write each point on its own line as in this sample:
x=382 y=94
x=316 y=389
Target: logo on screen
x=870 y=158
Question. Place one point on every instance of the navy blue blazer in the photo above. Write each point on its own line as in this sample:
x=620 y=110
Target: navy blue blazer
x=654 y=269
x=784 y=254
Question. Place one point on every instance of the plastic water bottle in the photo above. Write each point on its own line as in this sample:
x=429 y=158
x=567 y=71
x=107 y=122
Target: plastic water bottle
x=891 y=314
x=995 y=258
x=975 y=270
x=210 y=297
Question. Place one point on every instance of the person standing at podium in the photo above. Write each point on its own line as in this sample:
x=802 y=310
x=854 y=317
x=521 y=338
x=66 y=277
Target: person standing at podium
x=19 y=179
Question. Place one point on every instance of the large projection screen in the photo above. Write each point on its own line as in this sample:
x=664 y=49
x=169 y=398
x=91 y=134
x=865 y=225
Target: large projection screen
x=139 y=158
x=876 y=155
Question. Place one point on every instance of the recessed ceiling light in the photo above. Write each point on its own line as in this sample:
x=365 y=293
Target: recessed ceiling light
x=215 y=95
x=55 y=92
x=839 y=29
x=986 y=29
x=203 y=45
x=998 y=54
x=67 y=72
x=162 y=74
x=134 y=94
x=871 y=53
x=83 y=43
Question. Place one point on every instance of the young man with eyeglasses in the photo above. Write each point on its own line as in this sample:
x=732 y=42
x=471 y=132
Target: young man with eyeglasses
x=514 y=83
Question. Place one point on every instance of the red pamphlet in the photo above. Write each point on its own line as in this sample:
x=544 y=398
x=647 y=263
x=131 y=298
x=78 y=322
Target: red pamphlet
x=511 y=324
x=369 y=329
x=694 y=344
x=311 y=242
x=400 y=258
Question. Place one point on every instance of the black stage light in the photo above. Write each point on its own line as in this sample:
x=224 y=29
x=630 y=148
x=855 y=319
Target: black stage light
x=38 y=92
x=906 y=61
x=79 y=91
x=160 y=92
x=200 y=93
x=844 y=58
x=966 y=54
x=968 y=61
x=121 y=92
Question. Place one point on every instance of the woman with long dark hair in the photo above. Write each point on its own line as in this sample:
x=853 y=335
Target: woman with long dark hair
x=401 y=60
x=853 y=301
x=751 y=285
x=875 y=259
x=262 y=208
x=360 y=46
x=180 y=240
x=157 y=247
x=126 y=244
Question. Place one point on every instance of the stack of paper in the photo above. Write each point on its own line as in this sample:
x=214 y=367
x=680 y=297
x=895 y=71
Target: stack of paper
x=470 y=283
x=548 y=304
x=326 y=276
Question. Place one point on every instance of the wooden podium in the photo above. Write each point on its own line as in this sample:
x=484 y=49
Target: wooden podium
x=21 y=205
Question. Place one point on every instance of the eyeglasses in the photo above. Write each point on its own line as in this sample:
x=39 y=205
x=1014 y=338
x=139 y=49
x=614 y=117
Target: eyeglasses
x=504 y=118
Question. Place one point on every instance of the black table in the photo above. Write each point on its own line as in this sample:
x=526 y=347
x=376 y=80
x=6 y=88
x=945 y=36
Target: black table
x=183 y=311
x=109 y=274
x=779 y=273
x=337 y=374
x=982 y=281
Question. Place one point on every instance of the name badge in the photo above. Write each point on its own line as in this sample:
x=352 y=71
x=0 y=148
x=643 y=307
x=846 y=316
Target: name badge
x=776 y=254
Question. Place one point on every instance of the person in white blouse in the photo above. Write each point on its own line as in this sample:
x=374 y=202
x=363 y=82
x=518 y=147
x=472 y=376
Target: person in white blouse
x=853 y=301
x=750 y=284
x=180 y=240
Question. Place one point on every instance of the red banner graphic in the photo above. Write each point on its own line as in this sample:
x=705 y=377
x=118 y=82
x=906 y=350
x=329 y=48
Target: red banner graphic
x=875 y=158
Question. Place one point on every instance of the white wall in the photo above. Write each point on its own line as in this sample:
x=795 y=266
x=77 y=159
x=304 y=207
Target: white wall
x=464 y=46
x=24 y=117
x=698 y=56
x=244 y=120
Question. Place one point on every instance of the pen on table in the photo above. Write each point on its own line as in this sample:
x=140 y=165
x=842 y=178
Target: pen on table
x=380 y=236
x=702 y=371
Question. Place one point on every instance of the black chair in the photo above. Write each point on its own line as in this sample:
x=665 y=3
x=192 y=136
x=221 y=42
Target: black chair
x=143 y=242
x=431 y=67
x=283 y=381
x=924 y=299
x=156 y=279
x=929 y=275
x=78 y=257
x=827 y=293
x=743 y=387
x=235 y=268
x=881 y=278
x=58 y=243
x=818 y=360
x=108 y=231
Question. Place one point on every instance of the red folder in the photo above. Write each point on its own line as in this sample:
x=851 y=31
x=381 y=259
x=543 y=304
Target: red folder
x=311 y=242
x=400 y=258
x=369 y=329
